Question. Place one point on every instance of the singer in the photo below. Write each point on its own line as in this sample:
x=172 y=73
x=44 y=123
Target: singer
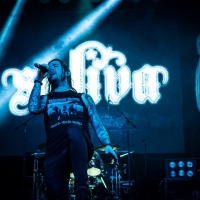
x=68 y=143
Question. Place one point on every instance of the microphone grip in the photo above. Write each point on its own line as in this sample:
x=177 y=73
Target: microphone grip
x=41 y=67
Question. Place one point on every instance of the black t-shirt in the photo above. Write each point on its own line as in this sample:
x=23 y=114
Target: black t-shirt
x=62 y=110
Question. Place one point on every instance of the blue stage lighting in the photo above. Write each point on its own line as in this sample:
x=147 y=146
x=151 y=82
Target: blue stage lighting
x=10 y=26
x=180 y=168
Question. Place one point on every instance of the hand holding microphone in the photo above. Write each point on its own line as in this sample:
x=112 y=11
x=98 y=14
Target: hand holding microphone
x=43 y=72
x=43 y=67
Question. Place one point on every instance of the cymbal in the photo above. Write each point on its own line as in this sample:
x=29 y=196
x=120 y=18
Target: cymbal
x=102 y=148
x=42 y=147
x=36 y=154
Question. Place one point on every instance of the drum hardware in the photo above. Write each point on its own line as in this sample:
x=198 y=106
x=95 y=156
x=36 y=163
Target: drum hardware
x=115 y=179
x=94 y=168
x=38 y=178
x=107 y=170
x=93 y=183
x=102 y=148
x=41 y=191
x=71 y=175
x=126 y=189
x=71 y=187
x=103 y=182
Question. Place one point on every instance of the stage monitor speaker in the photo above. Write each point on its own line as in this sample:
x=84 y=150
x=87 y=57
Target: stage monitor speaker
x=182 y=188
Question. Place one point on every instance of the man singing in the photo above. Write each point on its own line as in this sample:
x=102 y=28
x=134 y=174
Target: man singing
x=66 y=117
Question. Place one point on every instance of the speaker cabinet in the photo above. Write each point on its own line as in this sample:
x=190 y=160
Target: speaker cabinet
x=182 y=188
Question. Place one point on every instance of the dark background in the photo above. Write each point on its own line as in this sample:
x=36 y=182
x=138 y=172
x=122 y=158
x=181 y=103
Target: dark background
x=155 y=32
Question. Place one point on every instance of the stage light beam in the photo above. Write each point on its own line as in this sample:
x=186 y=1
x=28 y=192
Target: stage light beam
x=60 y=47
x=8 y=30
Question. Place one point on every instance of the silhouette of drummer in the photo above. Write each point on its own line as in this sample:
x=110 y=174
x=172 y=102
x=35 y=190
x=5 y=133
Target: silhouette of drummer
x=95 y=157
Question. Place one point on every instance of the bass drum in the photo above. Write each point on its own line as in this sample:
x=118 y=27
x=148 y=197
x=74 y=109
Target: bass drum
x=42 y=191
x=94 y=168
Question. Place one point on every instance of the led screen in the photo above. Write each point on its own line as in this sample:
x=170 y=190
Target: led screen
x=128 y=64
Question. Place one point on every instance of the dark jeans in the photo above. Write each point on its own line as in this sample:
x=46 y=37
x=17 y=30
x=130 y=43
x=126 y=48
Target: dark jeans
x=58 y=168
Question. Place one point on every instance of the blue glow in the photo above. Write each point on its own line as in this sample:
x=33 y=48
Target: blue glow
x=80 y=30
x=9 y=28
x=180 y=163
x=189 y=164
x=172 y=173
x=181 y=173
x=190 y=173
x=4 y=102
x=172 y=164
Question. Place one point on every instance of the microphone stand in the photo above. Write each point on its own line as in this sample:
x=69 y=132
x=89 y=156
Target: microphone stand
x=128 y=145
x=24 y=150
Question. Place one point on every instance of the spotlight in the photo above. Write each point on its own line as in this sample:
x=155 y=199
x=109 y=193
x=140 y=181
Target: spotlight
x=44 y=1
x=180 y=168
x=64 y=1
x=7 y=33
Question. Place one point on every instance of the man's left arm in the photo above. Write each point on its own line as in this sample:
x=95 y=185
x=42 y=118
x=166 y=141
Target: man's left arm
x=97 y=125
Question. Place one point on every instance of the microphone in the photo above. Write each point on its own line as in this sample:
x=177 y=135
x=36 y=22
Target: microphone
x=108 y=101
x=125 y=154
x=41 y=67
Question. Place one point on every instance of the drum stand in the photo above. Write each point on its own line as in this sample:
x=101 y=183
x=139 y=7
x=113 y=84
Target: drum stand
x=71 y=195
x=91 y=187
x=115 y=178
x=37 y=177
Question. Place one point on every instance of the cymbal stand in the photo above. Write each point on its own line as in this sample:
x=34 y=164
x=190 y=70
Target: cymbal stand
x=117 y=180
x=119 y=183
x=115 y=194
x=35 y=177
x=112 y=177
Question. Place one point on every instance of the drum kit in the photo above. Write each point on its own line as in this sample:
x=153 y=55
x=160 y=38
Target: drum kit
x=104 y=180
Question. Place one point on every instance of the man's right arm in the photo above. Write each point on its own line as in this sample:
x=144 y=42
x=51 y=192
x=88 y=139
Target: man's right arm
x=36 y=103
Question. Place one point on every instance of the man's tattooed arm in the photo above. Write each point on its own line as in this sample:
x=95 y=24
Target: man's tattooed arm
x=98 y=126
x=95 y=120
x=36 y=103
